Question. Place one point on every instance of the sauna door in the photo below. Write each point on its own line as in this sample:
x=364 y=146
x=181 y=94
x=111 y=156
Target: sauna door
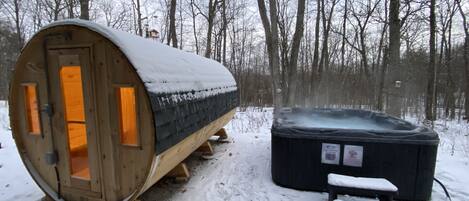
x=73 y=121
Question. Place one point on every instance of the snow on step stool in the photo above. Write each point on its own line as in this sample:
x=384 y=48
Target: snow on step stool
x=379 y=184
x=360 y=185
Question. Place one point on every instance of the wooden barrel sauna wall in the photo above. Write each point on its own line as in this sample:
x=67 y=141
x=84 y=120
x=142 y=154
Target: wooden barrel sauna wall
x=101 y=114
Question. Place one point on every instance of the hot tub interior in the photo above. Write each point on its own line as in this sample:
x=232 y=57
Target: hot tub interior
x=340 y=119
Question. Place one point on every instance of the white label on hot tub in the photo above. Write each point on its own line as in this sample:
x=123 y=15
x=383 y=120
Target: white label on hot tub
x=353 y=155
x=330 y=153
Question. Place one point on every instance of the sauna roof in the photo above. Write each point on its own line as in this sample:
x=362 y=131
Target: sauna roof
x=164 y=69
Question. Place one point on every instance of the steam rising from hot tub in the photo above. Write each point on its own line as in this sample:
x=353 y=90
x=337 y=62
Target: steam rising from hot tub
x=344 y=119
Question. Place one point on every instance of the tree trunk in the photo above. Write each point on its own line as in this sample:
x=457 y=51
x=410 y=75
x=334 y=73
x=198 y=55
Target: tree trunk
x=212 y=8
x=344 y=31
x=466 y=68
x=56 y=10
x=225 y=26
x=181 y=27
x=316 y=73
x=466 y=59
x=194 y=29
x=382 y=80
x=431 y=72
x=394 y=58
x=17 y=24
x=381 y=62
x=172 y=24
x=271 y=35
x=71 y=6
x=450 y=86
x=84 y=9
x=324 y=61
x=299 y=28
x=139 y=18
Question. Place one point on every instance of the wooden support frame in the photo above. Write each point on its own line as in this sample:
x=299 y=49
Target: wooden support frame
x=46 y=198
x=221 y=134
x=164 y=162
x=205 y=149
x=180 y=173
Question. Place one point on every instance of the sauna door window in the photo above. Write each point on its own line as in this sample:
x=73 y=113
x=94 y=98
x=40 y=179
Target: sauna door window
x=72 y=91
x=127 y=115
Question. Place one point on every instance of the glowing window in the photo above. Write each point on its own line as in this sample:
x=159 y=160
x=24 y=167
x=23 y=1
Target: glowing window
x=127 y=115
x=32 y=112
x=72 y=91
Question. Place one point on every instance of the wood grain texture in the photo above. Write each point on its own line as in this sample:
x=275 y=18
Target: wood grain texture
x=117 y=171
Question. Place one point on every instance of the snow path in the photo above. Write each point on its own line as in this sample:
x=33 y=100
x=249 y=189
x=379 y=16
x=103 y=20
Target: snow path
x=240 y=170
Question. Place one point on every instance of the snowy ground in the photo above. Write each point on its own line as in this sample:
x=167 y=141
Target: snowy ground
x=240 y=170
x=15 y=182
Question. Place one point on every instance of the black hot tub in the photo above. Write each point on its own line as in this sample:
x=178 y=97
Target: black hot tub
x=307 y=144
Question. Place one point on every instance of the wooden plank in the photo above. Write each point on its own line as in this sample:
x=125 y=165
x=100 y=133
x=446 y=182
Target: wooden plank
x=221 y=134
x=167 y=160
x=46 y=198
x=180 y=172
x=205 y=148
x=71 y=193
x=133 y=163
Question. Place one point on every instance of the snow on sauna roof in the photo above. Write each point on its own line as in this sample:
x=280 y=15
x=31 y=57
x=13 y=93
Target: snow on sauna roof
x=164 y=69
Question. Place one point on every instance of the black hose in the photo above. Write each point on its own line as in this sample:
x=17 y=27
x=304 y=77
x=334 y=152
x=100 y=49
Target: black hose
x=444 y=188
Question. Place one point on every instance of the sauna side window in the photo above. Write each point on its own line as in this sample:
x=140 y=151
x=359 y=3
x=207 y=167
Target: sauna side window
x=31 y=107
x=126 y=102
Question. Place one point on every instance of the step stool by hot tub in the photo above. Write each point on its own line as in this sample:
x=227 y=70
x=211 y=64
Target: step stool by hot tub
x=308 y=144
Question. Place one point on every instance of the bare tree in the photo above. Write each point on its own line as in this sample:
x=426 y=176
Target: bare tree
x=362 y=16
x=138 y=14
x=326 y=29
x=394 y=57
x=172 y=24
x=344 y=32
x=54 y=9
x=299 y=28
x=14 y=11
x=225 y=27
x=84 y=9
x=17 y=22
x=271 y=36
x=9 y=51
x=117 y=16
x=194 y=25
x=212 y=10
x=431 y=72
x=316 y=72
x=382 y=60
x=466 y=56
x=71 y=8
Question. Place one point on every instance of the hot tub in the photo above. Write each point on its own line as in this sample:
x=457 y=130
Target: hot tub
x=307 y=144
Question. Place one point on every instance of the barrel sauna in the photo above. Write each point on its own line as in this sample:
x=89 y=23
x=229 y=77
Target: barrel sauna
x=101 y=114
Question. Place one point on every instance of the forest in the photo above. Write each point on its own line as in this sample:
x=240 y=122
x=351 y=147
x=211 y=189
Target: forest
x=397 y=56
